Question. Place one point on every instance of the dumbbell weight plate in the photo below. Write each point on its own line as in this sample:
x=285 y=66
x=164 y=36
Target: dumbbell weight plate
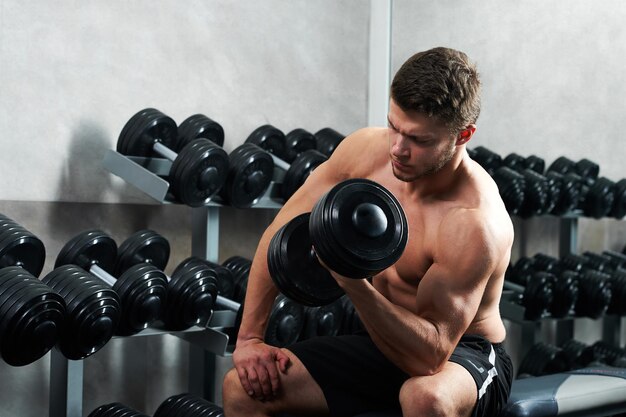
x=20 y=247
x=619 y=205
x=199 y=172
x=191 y=295
x=298 y=141
x=300 y=170
x=165 y=408
x=327 y=139
x=285 y=322
x=250 y=174
x=88 y=248
x=129 y=126
x=294 y=268
x=323 y=321
x=142 y=246
x=134 y=130
x=269 y=138
x=142 y=290
x=225 y=280
x=151 y=127
x=358 y=228
x=199 y=126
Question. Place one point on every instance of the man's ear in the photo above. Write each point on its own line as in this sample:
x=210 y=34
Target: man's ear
x=466 y=134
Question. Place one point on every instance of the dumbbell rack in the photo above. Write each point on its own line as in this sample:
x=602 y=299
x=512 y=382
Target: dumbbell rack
x=205 y=343
x=562 y=329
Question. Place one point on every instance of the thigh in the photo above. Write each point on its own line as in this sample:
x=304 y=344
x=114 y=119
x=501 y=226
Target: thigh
x=450 y=392
x=352 y=373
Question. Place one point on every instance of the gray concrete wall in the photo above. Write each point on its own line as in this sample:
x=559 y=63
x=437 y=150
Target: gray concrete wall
x=552 y=86
x=72 y=73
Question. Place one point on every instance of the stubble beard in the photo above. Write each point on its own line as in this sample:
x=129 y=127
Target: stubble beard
x=430 y=169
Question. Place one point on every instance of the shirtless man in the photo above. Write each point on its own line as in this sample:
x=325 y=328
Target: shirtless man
x=434 y=331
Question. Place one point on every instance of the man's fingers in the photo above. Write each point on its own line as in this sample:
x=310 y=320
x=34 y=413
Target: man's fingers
x=255 y=385
x=243 y=378
x=273 y=378
x=283 y=361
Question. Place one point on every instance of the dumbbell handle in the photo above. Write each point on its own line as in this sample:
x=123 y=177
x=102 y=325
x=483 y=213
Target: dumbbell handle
x=164 y=151
x=102 y=274
x=223 y=302
x=513 y=287
x=280 y=163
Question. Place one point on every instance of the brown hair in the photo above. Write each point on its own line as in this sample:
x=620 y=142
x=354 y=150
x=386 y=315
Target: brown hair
x=441 y=83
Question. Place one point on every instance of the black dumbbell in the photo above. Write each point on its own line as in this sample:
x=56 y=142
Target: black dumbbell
x=565 y=291
x=619 y=205
x=327 y=140
x=198 y=170
x=249 y=176
x=31 y=313
x=199 y=126
x=597 y=195
x=286 y=318
x=519 y=163
x=239 y=268
x=488 y=159
x=534 y=291
x=92 y=314
x=270 y=139
x=543 y=359
x=115 y=410
x=141 y=288
x=323 y=320
x=187 y=405
x=298 y=141
x=190 y=292
x=358 y=229
x=298 y=168
x=595 y=283
x=511 y=185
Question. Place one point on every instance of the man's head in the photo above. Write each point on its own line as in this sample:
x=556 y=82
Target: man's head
x=435 y=101
x=441 y=83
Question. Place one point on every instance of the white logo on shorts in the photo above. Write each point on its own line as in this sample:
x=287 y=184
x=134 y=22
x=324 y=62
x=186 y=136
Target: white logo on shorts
x=481 y=369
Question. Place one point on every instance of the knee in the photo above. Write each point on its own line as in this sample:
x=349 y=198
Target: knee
x=233 y=395
x=420 y=397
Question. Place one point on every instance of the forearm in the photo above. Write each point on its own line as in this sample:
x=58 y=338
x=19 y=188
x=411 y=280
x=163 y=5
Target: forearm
x=411 y=342
x=260 y=294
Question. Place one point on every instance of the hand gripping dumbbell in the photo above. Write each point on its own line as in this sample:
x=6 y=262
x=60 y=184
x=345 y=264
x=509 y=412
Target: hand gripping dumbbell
x=357 y=229
x=31 y=313
x=190 y=292
x=141 y=288
x=199 y=168
x=115 y=410
x=286 y=320
x=187 y=405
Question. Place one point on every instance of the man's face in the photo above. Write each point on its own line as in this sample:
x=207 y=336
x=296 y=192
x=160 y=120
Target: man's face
x=418 y=145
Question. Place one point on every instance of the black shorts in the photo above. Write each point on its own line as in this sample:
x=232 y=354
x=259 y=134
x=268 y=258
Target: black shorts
x=356 y=377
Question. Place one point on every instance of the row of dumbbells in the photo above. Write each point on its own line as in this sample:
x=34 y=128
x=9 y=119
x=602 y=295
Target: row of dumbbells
x=528 y=189
x=585 y=285
x=180 y=405
x=98 y=290
x=293 y=321
x=201 y=168
x=545 y=358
